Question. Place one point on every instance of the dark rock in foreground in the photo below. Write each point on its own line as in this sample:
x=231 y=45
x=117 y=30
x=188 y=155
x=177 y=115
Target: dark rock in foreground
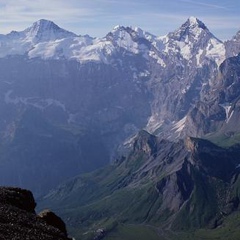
x=18 y=219
x=52 y=219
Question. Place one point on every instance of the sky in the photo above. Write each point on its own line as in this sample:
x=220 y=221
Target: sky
x=98 y=17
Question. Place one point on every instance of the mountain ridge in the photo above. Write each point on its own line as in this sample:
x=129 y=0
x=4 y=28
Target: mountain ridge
x=157 y=184
x=44 y=31
x=110 y=88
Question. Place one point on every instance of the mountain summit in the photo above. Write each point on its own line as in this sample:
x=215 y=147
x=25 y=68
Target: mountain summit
x=193 y=39
x=191 y=30
x=45 y=30
x=193 y=21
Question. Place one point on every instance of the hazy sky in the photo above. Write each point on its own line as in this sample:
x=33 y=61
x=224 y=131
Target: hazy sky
x=98 y=17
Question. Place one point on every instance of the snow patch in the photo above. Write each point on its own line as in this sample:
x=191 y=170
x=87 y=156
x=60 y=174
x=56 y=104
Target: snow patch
x=230 y=116
x=33 y=101
x=198 y=56
x=228 y=111
x=193 y=20
x=216 y=51
x=144 y=74
x=185 y=50
x=159 y=60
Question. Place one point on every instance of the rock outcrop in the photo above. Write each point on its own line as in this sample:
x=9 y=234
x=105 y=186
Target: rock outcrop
x=52 y=219
x=19 y=221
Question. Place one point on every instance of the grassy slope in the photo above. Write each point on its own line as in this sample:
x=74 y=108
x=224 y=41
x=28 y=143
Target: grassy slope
x=230 y=230
x=224 y=140
x=105 y=200
x=130 y=232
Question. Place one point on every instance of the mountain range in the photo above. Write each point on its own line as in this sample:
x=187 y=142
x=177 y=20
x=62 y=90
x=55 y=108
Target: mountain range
x=72 y=104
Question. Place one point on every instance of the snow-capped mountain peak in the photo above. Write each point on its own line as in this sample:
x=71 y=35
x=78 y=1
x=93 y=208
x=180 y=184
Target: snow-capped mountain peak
x=195 y=22
x=134 y=32
x=142 y=34
x=194 y=41
x=43 y=25
x=119 y=31
x=47 y=40
x=133 y=40
x=191 y=30
x=45 y=30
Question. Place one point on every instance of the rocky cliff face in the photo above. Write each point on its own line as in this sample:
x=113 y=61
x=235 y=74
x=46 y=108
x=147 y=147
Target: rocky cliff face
x=233 y=46
x=191 y=57
x=217 y=111
x=18 y=219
